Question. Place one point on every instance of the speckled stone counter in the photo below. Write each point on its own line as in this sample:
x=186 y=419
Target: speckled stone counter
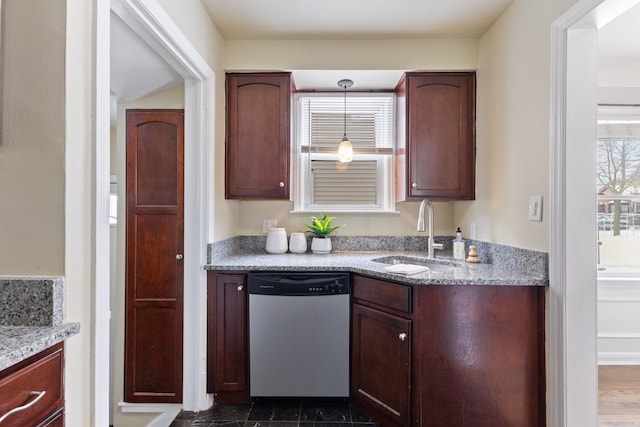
x=520 y=268
x=20 y=342
x=31 y=318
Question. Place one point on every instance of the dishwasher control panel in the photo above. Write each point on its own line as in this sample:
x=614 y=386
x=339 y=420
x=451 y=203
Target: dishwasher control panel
x=298 y=283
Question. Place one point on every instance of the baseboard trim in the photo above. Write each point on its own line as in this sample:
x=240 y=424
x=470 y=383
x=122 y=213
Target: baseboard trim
x=167 y=412
x=618 y=358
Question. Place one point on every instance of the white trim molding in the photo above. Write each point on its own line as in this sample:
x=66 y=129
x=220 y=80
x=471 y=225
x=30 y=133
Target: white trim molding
x=167 y=412
x=151 y=23
x=572 y=376
x=102 y=271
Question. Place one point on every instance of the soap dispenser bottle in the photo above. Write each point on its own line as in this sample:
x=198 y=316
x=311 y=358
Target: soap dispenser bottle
x=458 y=245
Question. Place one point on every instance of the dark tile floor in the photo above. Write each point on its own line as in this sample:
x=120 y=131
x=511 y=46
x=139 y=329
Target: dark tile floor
x=276 y=413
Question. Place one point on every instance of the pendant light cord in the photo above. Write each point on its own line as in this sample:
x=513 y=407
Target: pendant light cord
x=345 y=112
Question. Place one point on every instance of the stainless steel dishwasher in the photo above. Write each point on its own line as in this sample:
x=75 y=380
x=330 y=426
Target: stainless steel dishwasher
x=299 y=334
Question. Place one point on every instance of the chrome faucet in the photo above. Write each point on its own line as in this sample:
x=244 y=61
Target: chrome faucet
x=431 y=245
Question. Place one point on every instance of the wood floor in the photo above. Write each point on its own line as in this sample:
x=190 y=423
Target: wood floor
x=618 y=396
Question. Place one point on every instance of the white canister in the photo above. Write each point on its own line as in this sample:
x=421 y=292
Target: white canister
x=298 y=243
x=277 y=241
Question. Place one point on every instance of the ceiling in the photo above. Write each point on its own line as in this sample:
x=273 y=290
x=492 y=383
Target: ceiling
x=619 y=59
x=339 y=19
x=137 y=71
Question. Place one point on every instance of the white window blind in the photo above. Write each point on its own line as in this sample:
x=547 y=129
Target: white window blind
x=335 y=184
x=366 y=183
x=369 y=122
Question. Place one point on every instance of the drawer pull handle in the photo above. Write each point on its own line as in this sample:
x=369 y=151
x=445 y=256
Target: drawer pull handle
x=39 y=395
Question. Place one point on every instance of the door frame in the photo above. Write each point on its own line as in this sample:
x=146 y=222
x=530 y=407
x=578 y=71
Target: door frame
x=572 y=376
x=150 y=22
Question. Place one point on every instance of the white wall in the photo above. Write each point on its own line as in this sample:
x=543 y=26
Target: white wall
x=79 y=210
x=32 y=151
x=513 y=111
x=192 y=19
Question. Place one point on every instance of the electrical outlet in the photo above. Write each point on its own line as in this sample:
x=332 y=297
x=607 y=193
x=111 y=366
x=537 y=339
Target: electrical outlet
x=473 y=234
x=269 y=223
x=535 y=208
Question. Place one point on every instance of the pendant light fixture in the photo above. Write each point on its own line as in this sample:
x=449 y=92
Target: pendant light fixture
x=345 y=150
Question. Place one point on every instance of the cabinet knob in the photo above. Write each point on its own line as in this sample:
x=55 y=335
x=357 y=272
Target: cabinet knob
x=402 y=336
x=240 y=288
x=179 y=256
x=281 y=184
x=414 y=185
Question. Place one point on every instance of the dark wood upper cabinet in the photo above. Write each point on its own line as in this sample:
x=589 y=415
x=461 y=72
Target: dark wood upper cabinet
x=436 y=136
x=258 y=118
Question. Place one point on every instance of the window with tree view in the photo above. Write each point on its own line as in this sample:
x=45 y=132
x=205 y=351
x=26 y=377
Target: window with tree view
x=618 y=186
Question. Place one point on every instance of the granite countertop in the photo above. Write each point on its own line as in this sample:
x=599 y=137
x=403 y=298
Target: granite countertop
x=20 y=342
x=31 y=318
x=460 y=273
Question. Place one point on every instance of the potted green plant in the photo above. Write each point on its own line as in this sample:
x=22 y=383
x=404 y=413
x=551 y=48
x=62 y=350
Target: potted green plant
x=321 y=228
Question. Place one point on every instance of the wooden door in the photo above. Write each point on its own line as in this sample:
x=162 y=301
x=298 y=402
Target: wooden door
x=154 y=267
x=380 y=364
x=227 y=337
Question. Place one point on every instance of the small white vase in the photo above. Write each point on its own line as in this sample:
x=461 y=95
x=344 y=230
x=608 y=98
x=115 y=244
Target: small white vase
x=297 y=243
x=276 y=241
x=321 y=245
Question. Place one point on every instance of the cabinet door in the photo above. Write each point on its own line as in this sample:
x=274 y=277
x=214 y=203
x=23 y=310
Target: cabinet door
x=482 y=356
x=440 y=135
x=380 y=363
x=257 y=136
x=227 y=337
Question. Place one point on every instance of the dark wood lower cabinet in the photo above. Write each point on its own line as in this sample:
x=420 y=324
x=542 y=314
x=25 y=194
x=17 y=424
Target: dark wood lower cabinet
x=480 y=356
x=421 y=356
x=37 y=386
x=473 y=356
x=381 y=363
x=227 y=337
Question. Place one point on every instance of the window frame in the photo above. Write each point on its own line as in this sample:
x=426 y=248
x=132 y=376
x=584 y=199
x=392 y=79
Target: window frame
x=301 y=163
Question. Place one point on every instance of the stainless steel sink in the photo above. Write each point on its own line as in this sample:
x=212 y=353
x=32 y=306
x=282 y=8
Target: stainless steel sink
x=434 y=266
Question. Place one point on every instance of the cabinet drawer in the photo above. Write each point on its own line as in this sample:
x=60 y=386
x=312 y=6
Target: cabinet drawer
x=385 y=294
x=42 y=374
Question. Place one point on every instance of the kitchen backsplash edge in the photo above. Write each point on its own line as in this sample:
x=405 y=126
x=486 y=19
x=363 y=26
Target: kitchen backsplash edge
x=31 y=301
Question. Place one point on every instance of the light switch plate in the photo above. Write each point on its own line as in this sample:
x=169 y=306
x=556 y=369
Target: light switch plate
x=535 y=208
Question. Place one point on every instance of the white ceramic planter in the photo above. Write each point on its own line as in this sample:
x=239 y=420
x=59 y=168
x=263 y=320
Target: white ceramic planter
x=277 y=241
x=297 y=243
x=320 y=245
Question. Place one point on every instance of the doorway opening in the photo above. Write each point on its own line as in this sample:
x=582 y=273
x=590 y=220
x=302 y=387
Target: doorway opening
x=573 y=253
x=150 y=22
